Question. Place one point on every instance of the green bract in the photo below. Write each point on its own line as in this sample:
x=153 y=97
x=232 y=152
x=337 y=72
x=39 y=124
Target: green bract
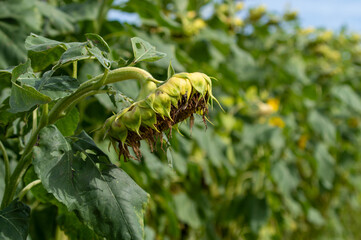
x=174 y=101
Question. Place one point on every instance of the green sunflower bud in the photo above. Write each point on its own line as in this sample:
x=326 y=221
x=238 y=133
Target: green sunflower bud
x=131 y=119
x=147 y=115
x=116 y=129
x=184 y=84
x=198 y=82
x=174 y=101
x=162 y=104
x=172 y=87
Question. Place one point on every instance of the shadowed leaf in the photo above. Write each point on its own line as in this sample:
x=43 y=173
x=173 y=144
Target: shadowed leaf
x=79 y=175
x=14 y=221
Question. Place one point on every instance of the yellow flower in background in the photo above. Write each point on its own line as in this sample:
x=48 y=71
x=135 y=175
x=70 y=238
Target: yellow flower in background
x=307 y=31
x=328 y=52
x=274 y=103
x=191 y=14
x=276 y=122
x=355 y=37
x=192 y=27
x=199 y=24
x=353 y=122
x=239 y=6
x=292 y=15
x=271 y=106
x=256 y=13
x=223 y=8
x=302 y=141
x=325 y=36
x=238 y=22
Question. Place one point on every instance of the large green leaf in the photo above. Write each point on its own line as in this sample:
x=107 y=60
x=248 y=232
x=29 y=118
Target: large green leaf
x=151 y=11
x=17 y=19
x=186 y=210
x=211 y=145
x=98 y=42
x=43 y=51
x=325 y=165
x=286 y=179
x=144 y=51
x=76 y=52
x=80 y=175
x=5 y=77
x=296 y=67
x=99 y=49
x=73 y=228
x=14 y=221
x=348 y=96
x=68 y=124
x=80 y=11
x=54 y=87
x=24 y=97
x=58 y=22
x=167 y=48
x=322 y=125
x=256 y=211
x=68 y=221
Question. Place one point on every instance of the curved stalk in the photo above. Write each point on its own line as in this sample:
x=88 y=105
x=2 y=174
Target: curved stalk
x=27 y=188
x=89 y=87
x=6 y=162
x=113 y=76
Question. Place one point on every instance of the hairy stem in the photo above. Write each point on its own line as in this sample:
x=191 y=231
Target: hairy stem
x=113 y=76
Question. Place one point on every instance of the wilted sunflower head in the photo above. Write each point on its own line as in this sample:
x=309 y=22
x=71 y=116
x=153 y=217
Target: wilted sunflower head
x=177 y=99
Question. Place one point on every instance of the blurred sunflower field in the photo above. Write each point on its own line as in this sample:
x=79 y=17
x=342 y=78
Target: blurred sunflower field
x=282 y=161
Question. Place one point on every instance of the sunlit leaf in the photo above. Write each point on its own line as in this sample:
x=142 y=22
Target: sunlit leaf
x=144 y=51
x=43 y=51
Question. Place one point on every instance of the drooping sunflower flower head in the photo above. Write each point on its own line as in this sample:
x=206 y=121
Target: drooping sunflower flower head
x=177 y=99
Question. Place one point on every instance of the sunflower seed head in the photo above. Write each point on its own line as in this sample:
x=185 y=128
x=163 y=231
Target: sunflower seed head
x=174 y=101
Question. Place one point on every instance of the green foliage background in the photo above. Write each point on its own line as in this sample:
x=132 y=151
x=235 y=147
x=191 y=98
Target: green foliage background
x=281 y=162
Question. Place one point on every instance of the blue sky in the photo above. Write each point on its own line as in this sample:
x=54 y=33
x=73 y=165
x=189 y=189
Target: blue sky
x=332 y=14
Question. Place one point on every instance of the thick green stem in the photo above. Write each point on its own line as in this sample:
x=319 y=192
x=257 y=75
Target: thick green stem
x=146 y=88
x=24 y=162
x=90 y=93
x=104 y=78
x=6 y=162
x=35 y=119
x=59 y=109
x=113 y=76
x=75 y=69
x=20 y=169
